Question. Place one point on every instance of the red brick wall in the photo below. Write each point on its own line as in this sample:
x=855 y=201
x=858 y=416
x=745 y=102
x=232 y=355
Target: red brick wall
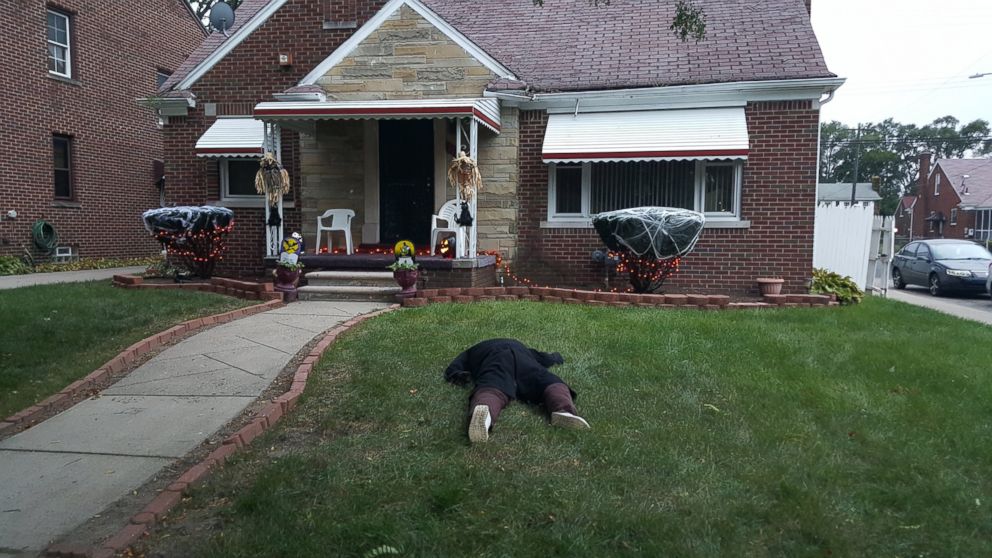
x=778 y=198
x=248 y=75
x=114 y=139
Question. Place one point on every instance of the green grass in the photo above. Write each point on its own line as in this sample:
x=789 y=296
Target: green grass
x=53 y=335
x=856 y=431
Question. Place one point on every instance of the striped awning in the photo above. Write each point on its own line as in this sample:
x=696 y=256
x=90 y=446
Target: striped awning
x=232 y=137
x=486 y=111
x=650 y=135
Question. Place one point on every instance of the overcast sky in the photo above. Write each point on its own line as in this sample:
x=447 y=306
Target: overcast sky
x=907 y=59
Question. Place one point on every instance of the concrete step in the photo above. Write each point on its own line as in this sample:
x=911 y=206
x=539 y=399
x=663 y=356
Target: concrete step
x=350 y=278
x=350 y=293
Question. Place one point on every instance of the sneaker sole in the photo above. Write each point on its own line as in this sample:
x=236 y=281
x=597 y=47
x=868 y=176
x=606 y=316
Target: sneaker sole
x=477 y=429
x=566 y=420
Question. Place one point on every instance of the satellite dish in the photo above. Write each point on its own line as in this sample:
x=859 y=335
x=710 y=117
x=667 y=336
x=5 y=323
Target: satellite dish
x=222 y=17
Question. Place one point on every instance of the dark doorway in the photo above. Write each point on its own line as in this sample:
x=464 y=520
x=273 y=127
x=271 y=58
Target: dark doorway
x=406 y=181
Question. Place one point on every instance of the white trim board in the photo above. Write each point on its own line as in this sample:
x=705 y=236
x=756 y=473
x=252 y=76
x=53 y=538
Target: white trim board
x=384 y=14
x=233 y=41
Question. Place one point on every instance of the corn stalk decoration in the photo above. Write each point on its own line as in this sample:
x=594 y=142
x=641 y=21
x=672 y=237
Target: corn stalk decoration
x=271 y=179
x=464 y=175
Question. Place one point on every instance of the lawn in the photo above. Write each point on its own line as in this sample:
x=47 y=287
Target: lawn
x=794 y=432
x=54 y=335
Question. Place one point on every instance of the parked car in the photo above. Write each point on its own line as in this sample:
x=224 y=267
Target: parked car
x=942 y=265
x=988 y=281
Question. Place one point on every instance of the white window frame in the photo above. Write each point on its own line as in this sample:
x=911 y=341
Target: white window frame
x=584 y=219
x=241 y=200
x=936 y=183
x=68 y=42
x=954 y=216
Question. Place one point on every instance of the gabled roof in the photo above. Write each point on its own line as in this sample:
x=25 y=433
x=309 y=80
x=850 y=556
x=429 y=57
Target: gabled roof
x=842 y=192
x=576 y=45
x=907 y=202
x=979 y=181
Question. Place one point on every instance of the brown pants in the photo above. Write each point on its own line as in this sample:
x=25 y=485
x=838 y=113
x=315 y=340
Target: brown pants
x=557 y=398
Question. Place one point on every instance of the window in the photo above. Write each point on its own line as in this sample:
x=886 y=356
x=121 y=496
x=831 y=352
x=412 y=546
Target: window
x=161 y=76
x=954 y=216
x=910 y=250
x=237 y=178
x=580 y=191
x=936 y=183
x=62 y=150
x=59 y=54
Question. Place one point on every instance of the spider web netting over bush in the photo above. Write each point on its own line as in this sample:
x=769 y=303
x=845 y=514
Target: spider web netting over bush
x=659 y=232
x=191 y=219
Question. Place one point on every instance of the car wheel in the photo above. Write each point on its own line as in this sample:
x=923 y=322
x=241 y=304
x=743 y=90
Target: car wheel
x=897 y=278
x=935 y=288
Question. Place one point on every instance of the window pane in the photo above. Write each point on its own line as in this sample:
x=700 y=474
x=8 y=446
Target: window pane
x=241 y=178
x=61 y=149
x=719 y=189
x=61 y=161
x=63 y=184
x=568 y=189
x=649 y=183
x=56 y=59
x=161 y=78
x=58 y=28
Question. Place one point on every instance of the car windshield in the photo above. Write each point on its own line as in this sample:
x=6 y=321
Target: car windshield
x=964 y=251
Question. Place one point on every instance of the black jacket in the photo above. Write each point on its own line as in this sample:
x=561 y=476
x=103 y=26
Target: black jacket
x=508 y=365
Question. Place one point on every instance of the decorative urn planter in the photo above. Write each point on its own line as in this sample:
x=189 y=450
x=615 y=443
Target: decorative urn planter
x=407 y=280
x=286 y=279
x=770 y=285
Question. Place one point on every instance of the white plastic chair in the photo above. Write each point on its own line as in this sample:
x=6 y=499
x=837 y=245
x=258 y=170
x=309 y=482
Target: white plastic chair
x=340 y=221
x=447 y=213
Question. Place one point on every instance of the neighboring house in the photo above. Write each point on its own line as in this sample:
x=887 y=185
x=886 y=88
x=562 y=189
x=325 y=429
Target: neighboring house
x=571 y=109
x=905 y=218
x=79 y=153
x=955 y=199
x=837 y=192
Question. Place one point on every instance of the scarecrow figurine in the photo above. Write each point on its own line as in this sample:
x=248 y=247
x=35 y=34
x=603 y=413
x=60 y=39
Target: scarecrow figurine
x=404 y=252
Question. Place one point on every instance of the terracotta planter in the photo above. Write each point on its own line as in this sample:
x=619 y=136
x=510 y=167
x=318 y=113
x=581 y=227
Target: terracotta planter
x=407 y=280
x=770 y=286
x=286 y=279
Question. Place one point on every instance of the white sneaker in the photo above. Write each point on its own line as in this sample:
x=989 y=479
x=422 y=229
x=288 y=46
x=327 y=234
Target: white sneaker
x=568 y=420
x=478 y=425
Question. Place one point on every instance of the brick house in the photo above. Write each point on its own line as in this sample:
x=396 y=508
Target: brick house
x=570 y=109
x=954 y=199
x=79 y=152
x=905 y=220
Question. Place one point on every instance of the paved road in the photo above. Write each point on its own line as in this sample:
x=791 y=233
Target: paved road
x=14 y=281
x=972 y=307
x=57 y=474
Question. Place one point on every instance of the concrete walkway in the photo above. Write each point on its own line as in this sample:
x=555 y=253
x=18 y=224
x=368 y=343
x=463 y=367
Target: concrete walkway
x=15 y=281
x=57 y=474
x=979 y=310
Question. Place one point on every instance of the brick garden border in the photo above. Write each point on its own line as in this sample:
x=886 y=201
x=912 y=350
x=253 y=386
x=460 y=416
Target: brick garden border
x=597 y=298
x=172 y=495
x=125 y=358
x=248 y=290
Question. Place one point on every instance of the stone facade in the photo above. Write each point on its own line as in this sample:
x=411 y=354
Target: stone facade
x=332 y=176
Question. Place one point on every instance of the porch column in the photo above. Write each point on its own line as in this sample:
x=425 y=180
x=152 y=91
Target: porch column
x=474 y=209
x=273 y=233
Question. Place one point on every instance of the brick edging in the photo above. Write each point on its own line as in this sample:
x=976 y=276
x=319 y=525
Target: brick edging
x=597 y=298
x=124 y=359
x=172 y=495
x=247 y=290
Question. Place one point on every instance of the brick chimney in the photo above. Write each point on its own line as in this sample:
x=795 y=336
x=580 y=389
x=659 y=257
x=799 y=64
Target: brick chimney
x=809 y=6
x=922 y=195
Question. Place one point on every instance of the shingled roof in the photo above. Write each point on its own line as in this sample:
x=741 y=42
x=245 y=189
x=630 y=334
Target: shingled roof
x=576 y=45
x=979 y=179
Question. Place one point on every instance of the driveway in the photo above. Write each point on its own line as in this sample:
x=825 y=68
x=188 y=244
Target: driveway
x=976 y=307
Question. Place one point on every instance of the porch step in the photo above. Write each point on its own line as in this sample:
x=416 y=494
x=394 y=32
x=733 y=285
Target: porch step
x=350 y=278
x=350 y=292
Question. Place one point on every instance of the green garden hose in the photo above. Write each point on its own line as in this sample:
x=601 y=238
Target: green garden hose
x=44 y=235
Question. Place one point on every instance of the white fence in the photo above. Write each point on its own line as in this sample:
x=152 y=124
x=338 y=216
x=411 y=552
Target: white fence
x=842 y=239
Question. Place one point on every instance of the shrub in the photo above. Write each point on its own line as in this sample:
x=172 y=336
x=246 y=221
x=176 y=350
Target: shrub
x=828 y=282
x=12 y=265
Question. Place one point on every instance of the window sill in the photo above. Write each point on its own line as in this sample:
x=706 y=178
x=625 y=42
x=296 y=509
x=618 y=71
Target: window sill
x=587 y=224
x=67 y=204
x=250 y=204
x=64 y=79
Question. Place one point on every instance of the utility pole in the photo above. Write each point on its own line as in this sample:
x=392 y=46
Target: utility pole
x=857 y=161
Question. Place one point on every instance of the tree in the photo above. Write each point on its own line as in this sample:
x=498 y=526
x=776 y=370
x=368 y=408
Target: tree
x=891 y=151
x=689 y=20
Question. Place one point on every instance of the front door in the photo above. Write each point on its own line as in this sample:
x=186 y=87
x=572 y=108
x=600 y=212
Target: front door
x=406 y=181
